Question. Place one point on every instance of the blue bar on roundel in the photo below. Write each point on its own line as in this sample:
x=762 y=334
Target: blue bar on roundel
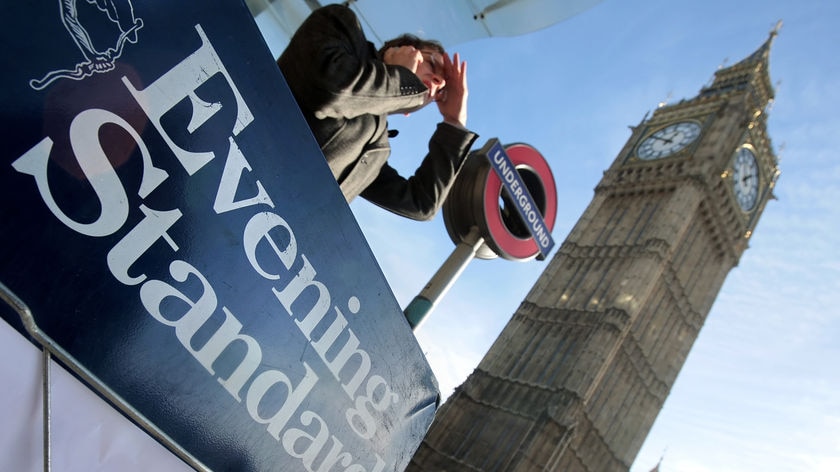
x=523 y=201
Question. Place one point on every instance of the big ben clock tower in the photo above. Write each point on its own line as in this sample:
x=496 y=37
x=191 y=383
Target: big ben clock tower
x=580 y=372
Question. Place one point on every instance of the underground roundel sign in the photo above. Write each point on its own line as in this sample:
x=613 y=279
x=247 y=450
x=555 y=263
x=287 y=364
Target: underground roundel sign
x=509 y=193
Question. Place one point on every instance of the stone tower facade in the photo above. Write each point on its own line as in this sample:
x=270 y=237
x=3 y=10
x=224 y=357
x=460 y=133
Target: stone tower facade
x=578 y=375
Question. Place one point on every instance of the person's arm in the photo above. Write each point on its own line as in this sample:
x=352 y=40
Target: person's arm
x=336 y=70
x=420 y=196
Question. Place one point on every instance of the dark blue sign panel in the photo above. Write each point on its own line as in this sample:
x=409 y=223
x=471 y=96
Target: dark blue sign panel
x=171 y=223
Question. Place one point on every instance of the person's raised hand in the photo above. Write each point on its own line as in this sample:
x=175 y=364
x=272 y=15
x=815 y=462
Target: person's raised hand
x=452 y=101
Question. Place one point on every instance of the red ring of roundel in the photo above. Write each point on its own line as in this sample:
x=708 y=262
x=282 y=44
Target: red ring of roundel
x=518 y=248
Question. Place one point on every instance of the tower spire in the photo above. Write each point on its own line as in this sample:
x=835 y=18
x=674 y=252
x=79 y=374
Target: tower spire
x=750 y=74
x=776 y=28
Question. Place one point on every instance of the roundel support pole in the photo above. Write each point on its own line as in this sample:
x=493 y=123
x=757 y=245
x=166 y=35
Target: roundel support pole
x=439 y=284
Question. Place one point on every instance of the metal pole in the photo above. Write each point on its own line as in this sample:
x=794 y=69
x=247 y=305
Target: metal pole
x=53 y=349
x=46 y=409
x=439 y=284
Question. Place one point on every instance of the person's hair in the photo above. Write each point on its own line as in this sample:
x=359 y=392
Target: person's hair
x=413 y=41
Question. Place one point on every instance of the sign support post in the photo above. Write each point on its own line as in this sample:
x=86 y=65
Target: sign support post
x=442 y=281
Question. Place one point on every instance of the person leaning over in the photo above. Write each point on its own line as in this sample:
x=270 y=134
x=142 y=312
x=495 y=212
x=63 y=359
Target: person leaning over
x=346 y=90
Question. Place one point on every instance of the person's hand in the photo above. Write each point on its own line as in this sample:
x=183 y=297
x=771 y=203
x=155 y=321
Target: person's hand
x=406 y=56
x=452 y=101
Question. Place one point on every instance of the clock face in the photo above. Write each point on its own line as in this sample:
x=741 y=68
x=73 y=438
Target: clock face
x=745 y=179
x=668 y=140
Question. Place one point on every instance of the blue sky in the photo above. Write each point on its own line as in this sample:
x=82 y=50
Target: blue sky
x=759 y=391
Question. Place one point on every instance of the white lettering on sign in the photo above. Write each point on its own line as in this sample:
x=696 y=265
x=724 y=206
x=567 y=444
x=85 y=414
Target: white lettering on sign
x=338 y=347
x=522 y=200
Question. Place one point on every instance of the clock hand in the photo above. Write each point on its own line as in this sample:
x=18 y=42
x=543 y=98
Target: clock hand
x=664 y=140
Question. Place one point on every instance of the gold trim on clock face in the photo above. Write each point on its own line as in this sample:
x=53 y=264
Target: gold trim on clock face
x=745 y=178
x=668 y=140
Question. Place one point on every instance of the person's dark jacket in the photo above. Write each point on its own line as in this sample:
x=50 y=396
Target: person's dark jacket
x=346 y=93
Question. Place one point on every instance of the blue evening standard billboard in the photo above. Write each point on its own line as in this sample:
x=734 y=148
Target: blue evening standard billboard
x=171 y=223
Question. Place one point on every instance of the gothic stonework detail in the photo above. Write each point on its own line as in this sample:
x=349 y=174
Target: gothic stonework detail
x=580 y=372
